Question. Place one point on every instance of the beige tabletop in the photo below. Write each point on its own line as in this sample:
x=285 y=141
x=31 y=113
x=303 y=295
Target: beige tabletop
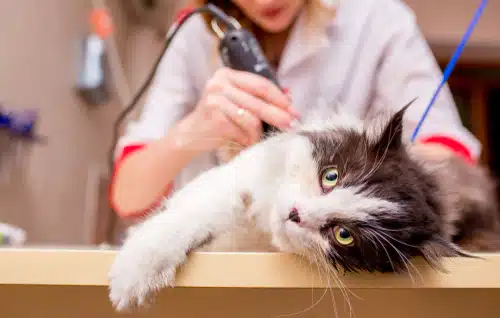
x=43 y=282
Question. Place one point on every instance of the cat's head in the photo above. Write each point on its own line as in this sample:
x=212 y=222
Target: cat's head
x=354 y=195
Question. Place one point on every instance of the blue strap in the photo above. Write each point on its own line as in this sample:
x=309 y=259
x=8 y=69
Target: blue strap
x=451 y=65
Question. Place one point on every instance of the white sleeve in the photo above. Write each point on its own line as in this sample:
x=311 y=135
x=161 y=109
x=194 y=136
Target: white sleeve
x=409 y=70
x=172 y=92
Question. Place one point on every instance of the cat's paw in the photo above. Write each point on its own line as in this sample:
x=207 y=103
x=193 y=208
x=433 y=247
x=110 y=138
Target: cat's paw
x=129 y=293
x=133 y=281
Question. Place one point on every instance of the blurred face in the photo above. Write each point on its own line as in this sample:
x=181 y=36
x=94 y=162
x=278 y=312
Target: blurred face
x=271 y=15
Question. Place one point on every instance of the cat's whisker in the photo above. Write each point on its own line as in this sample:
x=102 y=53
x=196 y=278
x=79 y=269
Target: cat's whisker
x=343 y=288
x=309 y=259
x=382 y=231
x=396 y=240
x=365 y=153
x=337 y=282
x=379 y=162
x=377 y=227
x=340 y=281
x=406 y=260
x=401 y=255
x=383 y=247
x=320 y=260
x=312 y=251
x=416 y=269
x=320 y=263
x=373 y=168
x=346 y=164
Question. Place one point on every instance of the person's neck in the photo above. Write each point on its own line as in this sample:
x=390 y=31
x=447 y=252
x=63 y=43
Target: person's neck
x=273 y=44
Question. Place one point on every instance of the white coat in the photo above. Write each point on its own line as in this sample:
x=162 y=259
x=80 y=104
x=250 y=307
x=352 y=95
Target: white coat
x=371 y=56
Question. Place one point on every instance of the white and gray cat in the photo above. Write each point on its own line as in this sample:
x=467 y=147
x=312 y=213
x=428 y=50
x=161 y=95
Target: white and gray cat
x=358 y=194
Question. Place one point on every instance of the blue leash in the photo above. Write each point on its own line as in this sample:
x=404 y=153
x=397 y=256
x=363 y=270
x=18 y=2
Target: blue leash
x=451 y=65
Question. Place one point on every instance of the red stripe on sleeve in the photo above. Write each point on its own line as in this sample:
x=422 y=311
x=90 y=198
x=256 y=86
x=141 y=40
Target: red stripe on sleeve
x=181 y=15
x=127 y=151
x=454 y=145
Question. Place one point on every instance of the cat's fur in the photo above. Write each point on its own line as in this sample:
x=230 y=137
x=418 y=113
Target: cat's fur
x=395 y=203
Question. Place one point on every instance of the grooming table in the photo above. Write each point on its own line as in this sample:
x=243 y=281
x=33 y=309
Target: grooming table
x=48 y=283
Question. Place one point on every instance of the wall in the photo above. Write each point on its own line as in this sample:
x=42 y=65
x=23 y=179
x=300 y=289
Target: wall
x=48 y=193
x=144 y=43
x=444 y=23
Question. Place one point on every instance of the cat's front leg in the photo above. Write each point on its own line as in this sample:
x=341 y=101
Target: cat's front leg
x=150 y=256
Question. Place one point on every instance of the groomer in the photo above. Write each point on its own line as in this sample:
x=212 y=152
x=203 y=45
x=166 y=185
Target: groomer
x=366 y=56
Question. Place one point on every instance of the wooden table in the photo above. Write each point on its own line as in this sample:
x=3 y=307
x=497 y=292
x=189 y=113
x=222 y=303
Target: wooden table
x=52 y=283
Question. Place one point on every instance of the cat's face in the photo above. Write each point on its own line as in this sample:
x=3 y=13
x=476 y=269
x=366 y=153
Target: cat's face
x=357 y=198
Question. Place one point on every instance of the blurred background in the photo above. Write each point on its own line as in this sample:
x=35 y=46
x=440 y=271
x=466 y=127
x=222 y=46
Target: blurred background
x=55 y=188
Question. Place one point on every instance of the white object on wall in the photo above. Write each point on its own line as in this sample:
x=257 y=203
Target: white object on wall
x=11 y=235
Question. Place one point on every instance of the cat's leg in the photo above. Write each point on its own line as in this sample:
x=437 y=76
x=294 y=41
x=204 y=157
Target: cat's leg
x=154 y=250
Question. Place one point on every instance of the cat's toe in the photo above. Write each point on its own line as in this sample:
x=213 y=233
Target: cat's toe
x=132 y=287
x=125 y=293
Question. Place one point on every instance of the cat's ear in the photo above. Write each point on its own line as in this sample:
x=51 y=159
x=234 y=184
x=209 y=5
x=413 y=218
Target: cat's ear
x=437 y=248
x=392 y=135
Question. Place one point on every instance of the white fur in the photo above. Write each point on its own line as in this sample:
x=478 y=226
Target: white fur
x=340 y=118
x=210 y=205
x=278 y=173
x=337 y=119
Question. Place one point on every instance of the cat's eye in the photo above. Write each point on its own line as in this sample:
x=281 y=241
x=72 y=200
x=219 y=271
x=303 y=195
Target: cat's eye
x=342 y=236
x=329 y=178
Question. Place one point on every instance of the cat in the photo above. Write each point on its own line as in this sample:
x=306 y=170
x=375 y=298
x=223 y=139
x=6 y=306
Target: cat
x=358 y=193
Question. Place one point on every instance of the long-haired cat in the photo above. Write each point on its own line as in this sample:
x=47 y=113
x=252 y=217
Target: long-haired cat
x=358 y=194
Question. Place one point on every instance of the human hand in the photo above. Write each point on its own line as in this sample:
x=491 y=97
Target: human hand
x=232 y=107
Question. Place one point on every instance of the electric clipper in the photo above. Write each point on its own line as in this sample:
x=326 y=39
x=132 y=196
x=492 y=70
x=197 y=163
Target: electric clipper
x=240 y=50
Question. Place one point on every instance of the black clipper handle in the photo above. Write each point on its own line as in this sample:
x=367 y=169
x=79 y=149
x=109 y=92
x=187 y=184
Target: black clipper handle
x=240 y=50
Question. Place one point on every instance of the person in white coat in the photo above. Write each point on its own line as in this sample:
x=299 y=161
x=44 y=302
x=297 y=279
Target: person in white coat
x=366 y=56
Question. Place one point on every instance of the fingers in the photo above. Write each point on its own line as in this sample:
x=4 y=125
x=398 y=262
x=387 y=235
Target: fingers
x=221 y=112
x=269 y=113
x=235 y=103
x=244 y=119
x=256 y=94
x=258 y=86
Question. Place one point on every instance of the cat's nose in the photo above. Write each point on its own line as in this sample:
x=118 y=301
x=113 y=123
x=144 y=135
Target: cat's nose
x=294 y=215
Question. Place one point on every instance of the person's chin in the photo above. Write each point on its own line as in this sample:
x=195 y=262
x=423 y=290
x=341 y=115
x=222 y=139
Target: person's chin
x=274 y=26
